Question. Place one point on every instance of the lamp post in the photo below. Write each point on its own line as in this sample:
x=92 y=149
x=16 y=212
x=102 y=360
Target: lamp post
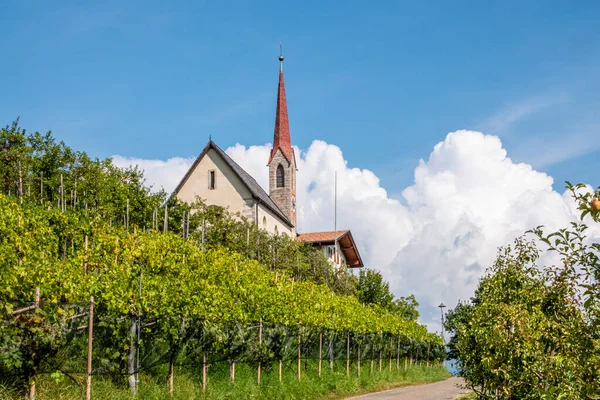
x=442 y=306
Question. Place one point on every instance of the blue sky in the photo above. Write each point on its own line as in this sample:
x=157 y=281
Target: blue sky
x=385 y=81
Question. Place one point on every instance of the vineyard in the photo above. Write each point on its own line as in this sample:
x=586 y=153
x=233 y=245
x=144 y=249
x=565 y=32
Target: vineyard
x=102 y=277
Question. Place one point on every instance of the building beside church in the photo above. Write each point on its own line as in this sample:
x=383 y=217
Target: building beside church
x=218 y=179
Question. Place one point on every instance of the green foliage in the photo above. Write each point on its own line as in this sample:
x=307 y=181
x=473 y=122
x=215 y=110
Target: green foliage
x=76 y=227
x=373 y=289
x=531 y=332
x=188 y=385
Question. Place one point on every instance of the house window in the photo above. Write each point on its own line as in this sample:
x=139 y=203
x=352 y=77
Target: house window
x=212 y=179
x=264 y=223
x=280 y=176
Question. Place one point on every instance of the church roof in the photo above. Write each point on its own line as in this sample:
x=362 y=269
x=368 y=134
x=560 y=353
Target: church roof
x=344 y=239
x=281 y=138
x=257 y=191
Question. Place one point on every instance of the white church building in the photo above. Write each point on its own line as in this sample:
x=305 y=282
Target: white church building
x=218 y=179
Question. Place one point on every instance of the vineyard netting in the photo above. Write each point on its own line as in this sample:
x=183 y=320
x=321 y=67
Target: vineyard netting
x=57 y=338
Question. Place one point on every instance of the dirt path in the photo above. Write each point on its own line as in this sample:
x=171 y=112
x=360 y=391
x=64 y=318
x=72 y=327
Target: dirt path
x=443 y=390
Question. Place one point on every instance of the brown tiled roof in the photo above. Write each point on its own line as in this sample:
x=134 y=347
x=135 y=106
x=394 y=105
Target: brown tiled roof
x=320 y=236
x=344 y=239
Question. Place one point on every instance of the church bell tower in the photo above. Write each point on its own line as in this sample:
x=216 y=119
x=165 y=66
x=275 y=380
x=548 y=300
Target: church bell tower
x=282 y=161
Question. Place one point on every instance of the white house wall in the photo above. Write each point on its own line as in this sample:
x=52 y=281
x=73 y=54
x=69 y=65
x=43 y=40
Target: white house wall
x=332 y=258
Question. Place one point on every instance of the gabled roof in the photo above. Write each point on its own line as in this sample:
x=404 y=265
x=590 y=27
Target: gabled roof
x=344 y=239
x=257 y=191
x=281 y=137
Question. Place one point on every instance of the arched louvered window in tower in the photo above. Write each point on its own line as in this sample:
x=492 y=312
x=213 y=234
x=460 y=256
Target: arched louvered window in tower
x=280 y=177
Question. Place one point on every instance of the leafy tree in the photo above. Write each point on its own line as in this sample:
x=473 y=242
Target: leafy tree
x=531 y=332
x=373 y=289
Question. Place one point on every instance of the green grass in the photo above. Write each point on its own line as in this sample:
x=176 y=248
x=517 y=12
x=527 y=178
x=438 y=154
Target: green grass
x=188 y=383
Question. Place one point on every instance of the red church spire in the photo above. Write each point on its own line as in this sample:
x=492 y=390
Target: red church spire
x=281 y=139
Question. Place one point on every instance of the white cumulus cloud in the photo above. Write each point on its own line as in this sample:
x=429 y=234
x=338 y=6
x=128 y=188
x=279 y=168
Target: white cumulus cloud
x=467 y=199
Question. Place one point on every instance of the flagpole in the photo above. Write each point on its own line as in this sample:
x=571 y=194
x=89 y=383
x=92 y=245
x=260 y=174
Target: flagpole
x=335 y=220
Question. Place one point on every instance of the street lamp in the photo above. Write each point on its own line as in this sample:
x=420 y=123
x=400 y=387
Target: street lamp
x=442 y=306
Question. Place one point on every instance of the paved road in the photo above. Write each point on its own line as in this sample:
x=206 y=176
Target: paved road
x=444 y=390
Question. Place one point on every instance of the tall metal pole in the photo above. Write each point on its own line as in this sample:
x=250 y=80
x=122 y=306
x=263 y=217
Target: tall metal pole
x=442 y=306
x=335 y=220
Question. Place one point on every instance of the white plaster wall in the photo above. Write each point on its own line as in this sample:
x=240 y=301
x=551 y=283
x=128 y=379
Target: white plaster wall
x=332 y=258
x=272 y=222
x=230 y=192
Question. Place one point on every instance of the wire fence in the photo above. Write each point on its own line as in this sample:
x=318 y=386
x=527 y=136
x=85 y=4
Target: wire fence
x=73 y=339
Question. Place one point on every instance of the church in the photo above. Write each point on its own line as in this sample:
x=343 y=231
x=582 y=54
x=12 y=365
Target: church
x=218 y=179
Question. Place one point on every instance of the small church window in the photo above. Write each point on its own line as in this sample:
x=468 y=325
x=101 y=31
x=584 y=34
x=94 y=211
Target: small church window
x=265 y=223
x=211 y=179
x=280 y=176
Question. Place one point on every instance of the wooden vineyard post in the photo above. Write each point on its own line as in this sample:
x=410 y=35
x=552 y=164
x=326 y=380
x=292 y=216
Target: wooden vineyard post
x=372 y=356
x=428 y=354
x=171 y=369
x=398 y=354
x=348 y=354
x=320 y=351
x=33 y=379
x=280 y=365
x=204 y=372
x=380 y=358
x=232 y=371
x=171 y=376
x=131 y=357
x=166 y=220
x=259 y=348
x=299 y=352
x=358 y=361
x=391 y=350
x=88 y=389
